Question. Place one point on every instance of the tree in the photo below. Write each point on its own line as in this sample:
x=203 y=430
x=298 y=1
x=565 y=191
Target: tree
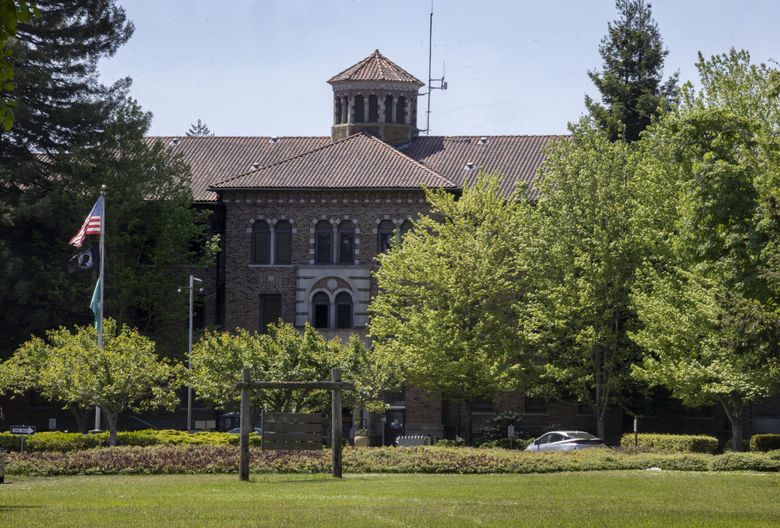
x=69 y=368
x=708 y=305
x=583 y=253
x=71 y=136
x=11 y=13
x=199 y=129
x=445 y=310
x=631 y=85
x=283 y=354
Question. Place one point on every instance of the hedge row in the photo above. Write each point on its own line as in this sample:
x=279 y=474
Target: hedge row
x=671 y=443
x=224 y=459
x=764 y=442
x=59 y=441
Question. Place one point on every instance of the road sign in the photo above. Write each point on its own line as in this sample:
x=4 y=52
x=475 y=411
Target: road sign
x=510 y=431
x=22 y=429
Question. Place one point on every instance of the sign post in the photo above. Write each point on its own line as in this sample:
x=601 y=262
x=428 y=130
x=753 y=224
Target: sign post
x=510 y=432
x=22 y=431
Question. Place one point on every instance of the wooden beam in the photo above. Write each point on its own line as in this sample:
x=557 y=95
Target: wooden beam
x=328 y=385
x=246 y=426
x=335 y=419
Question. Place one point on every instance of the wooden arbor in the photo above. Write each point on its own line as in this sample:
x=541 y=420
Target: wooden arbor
x=336 y=386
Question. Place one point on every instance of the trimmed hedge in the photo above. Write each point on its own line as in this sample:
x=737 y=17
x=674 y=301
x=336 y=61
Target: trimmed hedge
x=59 y=441
x=764 y=442
x=671 y=443
x=224 y=459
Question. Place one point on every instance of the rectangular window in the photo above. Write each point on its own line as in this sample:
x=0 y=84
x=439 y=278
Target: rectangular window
x=262 y=244
x=346 y=248
x=320 y=316
x=270 y=310
x=284 y=247
x=482 y=405
x=585 y=410
x=344 y=315
x=535 y=405
x=323 y=248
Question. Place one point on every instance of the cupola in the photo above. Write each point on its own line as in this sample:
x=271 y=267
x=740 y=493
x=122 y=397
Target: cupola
x=375 y=96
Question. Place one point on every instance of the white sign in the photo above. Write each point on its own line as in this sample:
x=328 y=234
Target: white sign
x=22 y=429
x=510 y=431
x=52 y=424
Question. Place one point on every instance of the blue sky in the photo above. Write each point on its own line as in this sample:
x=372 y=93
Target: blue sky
x=513 y=67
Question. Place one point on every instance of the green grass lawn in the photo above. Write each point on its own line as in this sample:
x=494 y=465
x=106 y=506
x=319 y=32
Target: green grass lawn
x=620 y=498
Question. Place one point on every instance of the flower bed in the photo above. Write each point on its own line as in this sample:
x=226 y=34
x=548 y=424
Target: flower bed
x=61 y=441
x=224 y=459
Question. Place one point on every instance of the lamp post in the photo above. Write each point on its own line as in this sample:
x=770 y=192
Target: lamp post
x=193 y=280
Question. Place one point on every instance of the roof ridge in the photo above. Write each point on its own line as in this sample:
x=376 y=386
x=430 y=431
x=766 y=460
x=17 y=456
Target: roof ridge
x=285 y=160
x=409 y=158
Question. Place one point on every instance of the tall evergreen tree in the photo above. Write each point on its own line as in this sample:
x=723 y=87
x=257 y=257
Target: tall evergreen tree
x=199 y=129
x=631 y=83
x=72 y=134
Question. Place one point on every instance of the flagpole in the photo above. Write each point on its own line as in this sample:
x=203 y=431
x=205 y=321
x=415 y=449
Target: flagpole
x=102 y=283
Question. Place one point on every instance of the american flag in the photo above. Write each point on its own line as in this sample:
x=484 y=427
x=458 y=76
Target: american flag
x=91 y=225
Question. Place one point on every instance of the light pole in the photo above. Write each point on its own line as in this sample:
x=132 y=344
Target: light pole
x=193 y=280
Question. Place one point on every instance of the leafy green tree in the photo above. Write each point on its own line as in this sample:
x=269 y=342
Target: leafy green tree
x=283 y=354
x=199 y=129
x=68 y=367
x=71 y=136
x=445 y=311
x=631 y=82
x=709 y=304
x=11 y=13
x=583 y=253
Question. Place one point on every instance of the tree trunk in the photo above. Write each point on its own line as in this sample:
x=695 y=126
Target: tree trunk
x=601 y=429
x=111 y=418
x=733 y=409
x=80 y=415
x=467 y=436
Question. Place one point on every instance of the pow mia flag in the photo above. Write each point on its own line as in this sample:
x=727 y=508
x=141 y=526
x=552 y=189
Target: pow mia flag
x=86 y=260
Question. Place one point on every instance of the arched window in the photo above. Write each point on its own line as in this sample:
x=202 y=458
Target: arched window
x=323 y=241
x=360 y=109
x=388 y=109
x=400 y=110
x=346 y=242
x=343 y=310
x=320 y=310
x=261 y=243
x=384 y=236
x=405 y=228
x=373 y=109
x=283 y=242
x=338 y=110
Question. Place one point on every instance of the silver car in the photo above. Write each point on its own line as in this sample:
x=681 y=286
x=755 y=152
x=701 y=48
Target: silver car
x=565 y=441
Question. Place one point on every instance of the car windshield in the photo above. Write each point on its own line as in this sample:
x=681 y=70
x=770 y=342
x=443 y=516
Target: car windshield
x=580 y=434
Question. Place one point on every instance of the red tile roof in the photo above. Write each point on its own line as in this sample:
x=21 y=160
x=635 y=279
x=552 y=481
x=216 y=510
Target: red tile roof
x=461 y=158
x=375 y=67
x=216 y=159
x=360 y=161
x=213 y=159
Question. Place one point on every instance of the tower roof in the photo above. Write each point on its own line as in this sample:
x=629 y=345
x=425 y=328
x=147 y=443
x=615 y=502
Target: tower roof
x=375 y=67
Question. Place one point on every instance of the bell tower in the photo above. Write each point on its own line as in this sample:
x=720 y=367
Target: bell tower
x=375 y=96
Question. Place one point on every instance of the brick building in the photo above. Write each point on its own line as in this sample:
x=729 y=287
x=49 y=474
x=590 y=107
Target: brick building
x=302 y=218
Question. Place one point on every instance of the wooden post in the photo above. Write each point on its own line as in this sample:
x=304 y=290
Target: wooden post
x=335 y=419
x=246 y=425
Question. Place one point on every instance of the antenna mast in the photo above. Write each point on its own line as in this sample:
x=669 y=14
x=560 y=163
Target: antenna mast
x=442 y=83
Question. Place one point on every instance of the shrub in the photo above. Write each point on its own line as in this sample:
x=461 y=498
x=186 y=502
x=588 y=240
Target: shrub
x=517 y=443
x=671 y=443
x=60 y=441
x=224 y=459
x=450 y=443
x=497 y=427
x=764 y=442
